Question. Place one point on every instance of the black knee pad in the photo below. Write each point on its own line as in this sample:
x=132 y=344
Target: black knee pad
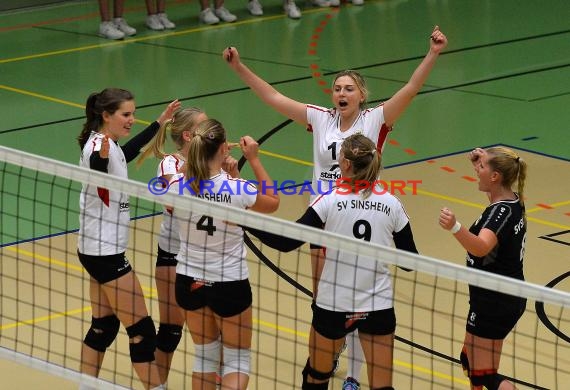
x=142 y=351
x=102 y=332
x=384 y=388
x=168 y=337
x=322 y=376
x=490 y=381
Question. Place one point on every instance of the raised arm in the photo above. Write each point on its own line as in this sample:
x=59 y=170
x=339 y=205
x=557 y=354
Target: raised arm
x=398 y=103
x=267 y=196
x=293 y=109
x=133 y=147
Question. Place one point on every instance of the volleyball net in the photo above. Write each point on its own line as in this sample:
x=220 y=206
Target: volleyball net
x=45 y=308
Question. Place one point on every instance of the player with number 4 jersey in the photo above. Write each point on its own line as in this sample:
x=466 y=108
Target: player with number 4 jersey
x=212 y=285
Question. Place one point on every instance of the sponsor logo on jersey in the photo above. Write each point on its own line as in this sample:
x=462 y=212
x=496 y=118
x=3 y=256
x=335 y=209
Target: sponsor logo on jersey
x=330 y=175
x=351 y=318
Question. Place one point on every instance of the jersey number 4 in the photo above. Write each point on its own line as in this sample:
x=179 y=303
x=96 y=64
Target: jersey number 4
x=207 y=224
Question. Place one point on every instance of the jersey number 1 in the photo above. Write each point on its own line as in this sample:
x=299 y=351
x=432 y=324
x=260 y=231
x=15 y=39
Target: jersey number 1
x=332 y=148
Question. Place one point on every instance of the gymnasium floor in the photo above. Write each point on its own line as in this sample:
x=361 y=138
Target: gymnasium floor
x=503 y=79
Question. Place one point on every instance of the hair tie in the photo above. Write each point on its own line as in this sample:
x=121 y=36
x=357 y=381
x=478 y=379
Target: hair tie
x=518 y=159
x=211 y=135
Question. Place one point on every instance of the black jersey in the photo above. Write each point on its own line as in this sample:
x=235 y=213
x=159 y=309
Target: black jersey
x=507 y=220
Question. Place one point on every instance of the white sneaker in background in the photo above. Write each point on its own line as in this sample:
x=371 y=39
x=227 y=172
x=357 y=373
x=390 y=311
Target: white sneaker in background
x=291 y=9
x=122 y=25
x=165 y=21
x=207 y=17
x=153 y=23
x=224 y=14
x=335 y=3
x=255 y=8
x=110 y=31
x=358 y=2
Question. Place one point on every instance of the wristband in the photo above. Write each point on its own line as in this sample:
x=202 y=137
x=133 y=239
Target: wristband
x=455 y=227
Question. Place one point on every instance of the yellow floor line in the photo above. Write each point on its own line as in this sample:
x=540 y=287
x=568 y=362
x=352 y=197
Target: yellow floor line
x=152 y=294
x=149 y=38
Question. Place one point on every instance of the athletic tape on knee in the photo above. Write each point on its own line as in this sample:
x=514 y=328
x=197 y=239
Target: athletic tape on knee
x=102 y=332
x=207 y=357
x=168 y=337
x=236 y=360
x=143 y=335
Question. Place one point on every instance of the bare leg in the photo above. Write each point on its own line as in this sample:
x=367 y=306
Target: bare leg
x=170 y=313
x=104 y=10
x=150 y=9
x=160 y=6
x=484 y=354
x=322 y=351
x=204 y=4
x=91 y=359
x=119 y=8
x=126 y=298
x=204 y=330
x=379 y=353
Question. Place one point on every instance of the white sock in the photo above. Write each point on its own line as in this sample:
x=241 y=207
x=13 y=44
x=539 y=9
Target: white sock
x=355 y=355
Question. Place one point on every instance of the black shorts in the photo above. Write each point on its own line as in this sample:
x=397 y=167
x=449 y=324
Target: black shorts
x=336 y=324
x=165 y=259
x=105 y=268
x=494 y=320
x=226 y=299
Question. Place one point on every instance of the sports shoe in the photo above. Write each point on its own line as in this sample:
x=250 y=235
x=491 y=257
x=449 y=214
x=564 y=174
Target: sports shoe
x=153 y=23
x=255 y=8
x=350 y=384
x=335 y=3
x=291 y=9
x=110 y=31
x=358 y=2
x=165 y=21
x=207 y=17
x=122 y=25
x=224 y=14
x=321 y=3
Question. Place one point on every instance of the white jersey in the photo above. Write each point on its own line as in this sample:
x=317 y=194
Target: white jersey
x=212 y=249
x=168 y=239
x=104 y=215
x=324 y=123
x=353 y=283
